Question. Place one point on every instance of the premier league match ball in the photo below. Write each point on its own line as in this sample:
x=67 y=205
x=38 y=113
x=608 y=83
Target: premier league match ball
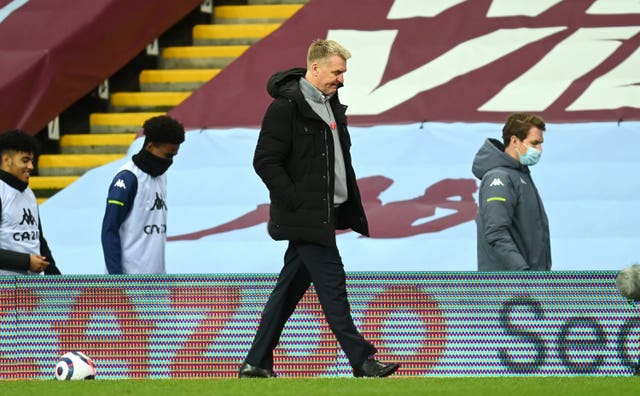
x=628 y=282
x=75 y=366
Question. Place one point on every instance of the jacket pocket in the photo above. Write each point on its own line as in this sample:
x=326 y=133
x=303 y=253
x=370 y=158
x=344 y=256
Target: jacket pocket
x=304 y=142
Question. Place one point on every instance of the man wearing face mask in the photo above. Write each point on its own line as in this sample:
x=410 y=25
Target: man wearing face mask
x=513 y=230
x=134 y=228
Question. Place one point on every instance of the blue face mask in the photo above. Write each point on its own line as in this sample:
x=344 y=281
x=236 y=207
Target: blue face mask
x=531 y=157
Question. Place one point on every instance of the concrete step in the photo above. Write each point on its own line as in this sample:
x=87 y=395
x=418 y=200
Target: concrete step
x=181 y=80
x=262 y=13
x=145 y=101
x=202 y=57
x=72 y=164
x=237 y=34
x=119 y=122
x=86 y=143
x=46 y=186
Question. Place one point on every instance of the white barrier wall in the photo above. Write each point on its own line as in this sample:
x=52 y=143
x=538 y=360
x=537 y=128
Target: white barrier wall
x=419 y=193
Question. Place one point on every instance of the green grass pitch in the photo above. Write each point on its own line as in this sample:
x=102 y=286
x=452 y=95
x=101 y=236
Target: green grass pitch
x=463 y=386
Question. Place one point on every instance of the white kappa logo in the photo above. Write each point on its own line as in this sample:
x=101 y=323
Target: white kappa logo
x=496 y=182
x=120 y=183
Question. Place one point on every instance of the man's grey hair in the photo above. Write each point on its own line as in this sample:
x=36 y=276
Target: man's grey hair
x=628 y=282
x=322 y=49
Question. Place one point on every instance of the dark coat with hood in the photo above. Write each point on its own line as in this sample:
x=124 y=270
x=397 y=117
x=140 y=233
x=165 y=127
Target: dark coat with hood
x=295 y=160
x=513 y=230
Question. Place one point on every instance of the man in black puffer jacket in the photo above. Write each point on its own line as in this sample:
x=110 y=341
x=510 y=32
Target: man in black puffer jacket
x=302 y=156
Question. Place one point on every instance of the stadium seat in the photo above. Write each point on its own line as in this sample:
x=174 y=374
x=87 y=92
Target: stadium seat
x=146 y=101
x=119 y=122
x=261 y=13
x=200 y=57
x=72 y=164
x=113 y=143
x=239 y=34
x=177 y=80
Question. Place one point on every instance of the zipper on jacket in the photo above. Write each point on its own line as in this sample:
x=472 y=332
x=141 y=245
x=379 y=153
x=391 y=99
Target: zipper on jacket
x=326 y=150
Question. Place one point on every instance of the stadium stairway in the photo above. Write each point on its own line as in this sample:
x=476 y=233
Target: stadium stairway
x=181 y=70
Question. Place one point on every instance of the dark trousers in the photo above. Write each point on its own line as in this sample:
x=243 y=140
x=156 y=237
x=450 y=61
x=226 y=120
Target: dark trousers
x=303 y=264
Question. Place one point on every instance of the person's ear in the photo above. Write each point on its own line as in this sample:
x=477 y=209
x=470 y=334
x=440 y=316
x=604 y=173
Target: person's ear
x=314 y=69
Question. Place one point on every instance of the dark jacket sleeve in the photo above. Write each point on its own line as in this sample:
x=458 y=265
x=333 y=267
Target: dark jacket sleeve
x=497 y=205
x=120 y=197
x=11 y=260
x=272 y=150
x=52 y=269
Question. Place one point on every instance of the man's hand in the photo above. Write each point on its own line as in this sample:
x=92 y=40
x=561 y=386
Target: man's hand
x=37 y=263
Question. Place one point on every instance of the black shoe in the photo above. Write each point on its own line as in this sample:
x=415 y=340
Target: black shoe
x=375 y=368
x=249 y=371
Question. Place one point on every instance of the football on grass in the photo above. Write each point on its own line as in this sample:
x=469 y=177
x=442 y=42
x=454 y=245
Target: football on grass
x=628 y=282
x=75 y=366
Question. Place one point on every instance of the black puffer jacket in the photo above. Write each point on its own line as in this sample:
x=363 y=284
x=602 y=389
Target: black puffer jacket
x=294 y=158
